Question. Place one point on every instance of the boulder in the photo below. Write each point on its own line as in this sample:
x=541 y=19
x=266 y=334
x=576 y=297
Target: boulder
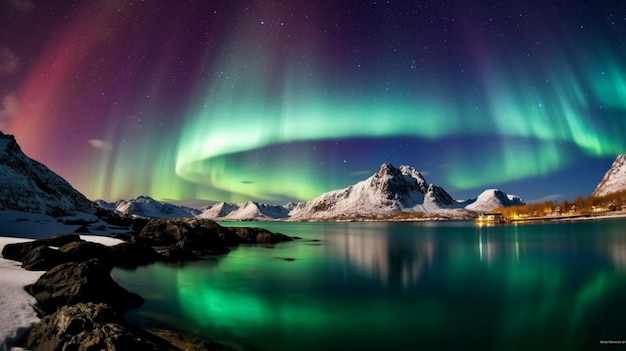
x=260 y=235
x=203 y=233
x=17 y=251
x=43 y=258
x=90 y=326
x=81 y=251
x=71 y=283
x=132 y=255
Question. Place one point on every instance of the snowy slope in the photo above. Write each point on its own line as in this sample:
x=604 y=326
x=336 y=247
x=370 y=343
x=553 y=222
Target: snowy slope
x=145 y=206
x=16 y=311
x=615 y=178
x=219 y=210
x=27 y=185
x=491 y=199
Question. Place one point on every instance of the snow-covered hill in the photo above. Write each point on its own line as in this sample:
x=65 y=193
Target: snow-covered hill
x=145 y=206
x=28 y=186
x=491 y=199
x=248 y=210
x=614 y=179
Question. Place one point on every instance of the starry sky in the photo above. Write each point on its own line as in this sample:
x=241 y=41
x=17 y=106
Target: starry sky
x=277 y=101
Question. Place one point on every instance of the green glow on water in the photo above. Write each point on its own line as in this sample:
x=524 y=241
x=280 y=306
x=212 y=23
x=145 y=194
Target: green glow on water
x=377 y=285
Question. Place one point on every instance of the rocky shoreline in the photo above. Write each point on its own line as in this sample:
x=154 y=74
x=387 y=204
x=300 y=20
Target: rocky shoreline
x=80 y=305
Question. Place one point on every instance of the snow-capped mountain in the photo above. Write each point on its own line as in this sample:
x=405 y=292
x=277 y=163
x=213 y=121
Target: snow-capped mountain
x=491 y=199
x=248 y=210
x=388 y=192
x=614 y=179
x=28 y=186
x=145 y=206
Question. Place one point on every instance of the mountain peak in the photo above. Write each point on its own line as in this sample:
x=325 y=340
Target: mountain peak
x=491 y=199
x=386 y=169
x=614 y=179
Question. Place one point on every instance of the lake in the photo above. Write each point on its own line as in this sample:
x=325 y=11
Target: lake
x=400 y=286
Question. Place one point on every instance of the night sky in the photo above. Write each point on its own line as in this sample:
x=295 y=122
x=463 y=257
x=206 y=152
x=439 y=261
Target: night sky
x=283 y=100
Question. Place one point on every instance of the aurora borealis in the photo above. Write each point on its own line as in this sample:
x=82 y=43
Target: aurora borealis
x=284 y=100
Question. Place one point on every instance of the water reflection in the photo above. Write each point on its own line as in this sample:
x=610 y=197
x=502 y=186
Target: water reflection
x=617 y=253
x=386 y=257
x=377 y=285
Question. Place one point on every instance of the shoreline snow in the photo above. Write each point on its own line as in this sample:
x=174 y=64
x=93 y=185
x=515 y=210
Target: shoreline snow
x=17 y=315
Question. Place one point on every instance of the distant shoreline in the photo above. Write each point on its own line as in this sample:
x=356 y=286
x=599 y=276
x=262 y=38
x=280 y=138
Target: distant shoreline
x=569 y=218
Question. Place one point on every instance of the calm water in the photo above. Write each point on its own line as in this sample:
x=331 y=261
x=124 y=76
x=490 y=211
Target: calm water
x=400 y=286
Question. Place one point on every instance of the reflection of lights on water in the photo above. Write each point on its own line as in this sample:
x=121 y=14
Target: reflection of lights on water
x=617 y=254
x=480 y=246
x=487 y=247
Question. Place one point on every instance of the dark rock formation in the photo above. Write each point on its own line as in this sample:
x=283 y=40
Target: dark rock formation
x=43 y=258
x=39 y=256
x=131 y=255
x=203 y=233
x=90 y=326
x=71 y=283
x=182 y=239
x=259 y=235
x=17 y=251
x=122 y=220
x=81 y=251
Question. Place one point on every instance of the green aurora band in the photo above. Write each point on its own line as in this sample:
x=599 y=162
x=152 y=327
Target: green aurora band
x=251 y=105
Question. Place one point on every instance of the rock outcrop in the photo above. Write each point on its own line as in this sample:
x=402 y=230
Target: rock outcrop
x=188 y=238
x=17 y=251
x=81 y=251
x=132 y=255
x=259 y=235
x=205 y=233
x=90 y=326
x=71 y=283
x=43 y=258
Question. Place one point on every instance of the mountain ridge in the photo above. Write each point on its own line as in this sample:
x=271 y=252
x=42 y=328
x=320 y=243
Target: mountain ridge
x=29 y=186
x=389 y=193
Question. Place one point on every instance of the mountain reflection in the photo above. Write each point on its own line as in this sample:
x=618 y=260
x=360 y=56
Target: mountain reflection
x=401 y=258
x=392 y=260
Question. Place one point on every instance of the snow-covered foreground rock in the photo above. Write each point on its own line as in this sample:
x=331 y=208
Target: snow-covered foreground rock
x=16 y=311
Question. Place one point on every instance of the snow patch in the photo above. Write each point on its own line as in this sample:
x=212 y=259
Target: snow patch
x=17 y=315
